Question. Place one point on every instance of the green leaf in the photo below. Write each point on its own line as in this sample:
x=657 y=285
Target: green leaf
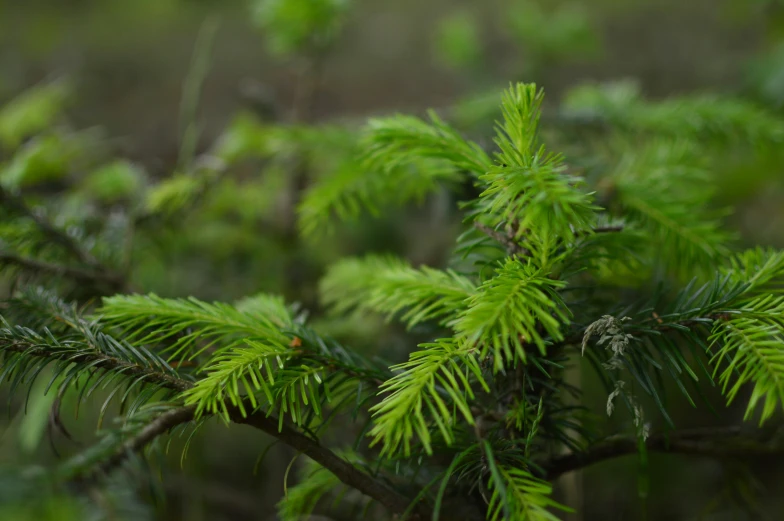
x=457 y=40
x=114 y=181
x=294 y=26
x=32 y=112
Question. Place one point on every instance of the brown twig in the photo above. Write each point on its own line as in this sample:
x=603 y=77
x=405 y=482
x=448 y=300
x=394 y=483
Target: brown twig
x=715 y=443
x=506 y=240
x=342 y=469
x=162 y=424
x=608 y=229
x=514 y=248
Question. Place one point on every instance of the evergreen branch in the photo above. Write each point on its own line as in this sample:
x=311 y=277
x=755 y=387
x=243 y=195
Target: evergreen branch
x=508 y=311
x=435 y=380
x=751 y=342
x=342 y=469
x=516 y=493
x=162 y=424
x=28 y=343
x=232 y=371
x=538 y=197
x=399 y=139
x=762 y=269
x=391 y=286
x=57 y=235
x=711 y=442
x=79 y=274
x=97 y=272
x=345 y=471
x=529 y=187
x=663 y=189
x=191 y=325
x=354 y=185
x=621 y=106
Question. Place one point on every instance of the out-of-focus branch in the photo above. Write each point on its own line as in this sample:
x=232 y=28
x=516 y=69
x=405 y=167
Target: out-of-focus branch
x=79 y=274
x=714 y=443
x=95 y=271
x=347 y=473
x=17 y=204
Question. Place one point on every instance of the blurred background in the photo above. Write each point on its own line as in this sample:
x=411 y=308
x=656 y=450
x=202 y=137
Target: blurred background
x=144 y=80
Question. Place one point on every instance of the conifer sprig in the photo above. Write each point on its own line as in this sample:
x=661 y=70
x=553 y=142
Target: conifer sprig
x=434 y=382
x=393 y=287
x=402 y=139
x=516 y=493
x=516 y=308
x=663 y=189
x=192 y=327
x=528 y=188
x=748 y=348
x=725 y=119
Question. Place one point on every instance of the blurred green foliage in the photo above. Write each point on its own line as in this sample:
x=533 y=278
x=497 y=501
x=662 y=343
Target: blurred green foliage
x=223 y=228
x=458 y=43
x=291 y=26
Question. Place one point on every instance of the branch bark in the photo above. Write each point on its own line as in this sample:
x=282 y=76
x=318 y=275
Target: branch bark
x=347 y=473
x=715 y=443
x=509 y=242
x=162 y=424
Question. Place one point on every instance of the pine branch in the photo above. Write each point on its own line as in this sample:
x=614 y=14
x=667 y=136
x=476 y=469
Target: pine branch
x=346 y=472
x=18 y=205
x=162 y=424
x=508 y=311
x=507 y=240
x=97 y=272
x=79 y=274
x=620 y=105
x=433 y=385
x=716 y=443
x=93 y=360
x=393 y=287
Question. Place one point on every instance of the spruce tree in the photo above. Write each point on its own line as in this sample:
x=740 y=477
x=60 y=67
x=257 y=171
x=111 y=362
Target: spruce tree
x=614 y=256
